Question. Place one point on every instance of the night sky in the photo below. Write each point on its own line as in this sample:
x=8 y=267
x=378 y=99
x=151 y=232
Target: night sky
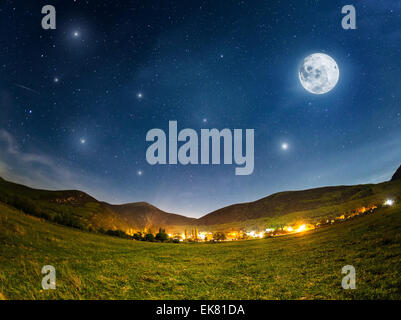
x=76 y=102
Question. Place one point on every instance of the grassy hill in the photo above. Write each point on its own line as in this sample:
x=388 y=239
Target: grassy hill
x=309 y=206
x=77 y=209
x=299 y=266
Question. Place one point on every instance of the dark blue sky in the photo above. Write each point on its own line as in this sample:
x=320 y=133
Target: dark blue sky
x=71 y=116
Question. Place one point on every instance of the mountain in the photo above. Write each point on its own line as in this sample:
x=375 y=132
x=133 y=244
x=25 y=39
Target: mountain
x=77 y=209
x=397 y=175
x=307 y=205
x=143 y=215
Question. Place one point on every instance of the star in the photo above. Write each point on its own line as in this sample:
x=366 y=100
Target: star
x=139 y=95
x=139 y=172
x=76 y=34
x=56 y=79
x=82 y=140
x=204 y=120
x=284 y=146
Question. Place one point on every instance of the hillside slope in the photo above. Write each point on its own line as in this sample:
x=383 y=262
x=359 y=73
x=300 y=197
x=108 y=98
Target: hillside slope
x=299 y=266
x=143 y=215
x=77 y=209
x=313 y=203
x=397 y=175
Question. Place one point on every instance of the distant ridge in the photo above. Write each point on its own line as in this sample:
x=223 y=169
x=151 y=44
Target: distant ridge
x=397 y=175
x=145 y=215
x=304 y=204
x=77 y=209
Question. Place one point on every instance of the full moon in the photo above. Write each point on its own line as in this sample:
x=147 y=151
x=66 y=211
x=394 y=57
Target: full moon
x=319 y=73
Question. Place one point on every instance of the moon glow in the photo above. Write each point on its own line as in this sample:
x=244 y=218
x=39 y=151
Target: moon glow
x=319 y=73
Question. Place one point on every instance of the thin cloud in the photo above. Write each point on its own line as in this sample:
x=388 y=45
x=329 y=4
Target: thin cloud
x=39 y=170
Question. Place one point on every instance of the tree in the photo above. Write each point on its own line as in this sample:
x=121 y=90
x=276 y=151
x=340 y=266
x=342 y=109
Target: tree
x=149 y=237
x=118 y=233
x=138 y=236
x=219 y=236
x=161 y=236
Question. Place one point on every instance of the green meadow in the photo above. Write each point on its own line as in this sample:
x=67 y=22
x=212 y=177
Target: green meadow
x=300 y=266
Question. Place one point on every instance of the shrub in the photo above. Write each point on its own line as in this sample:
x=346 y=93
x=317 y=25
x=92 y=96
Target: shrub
x=162 y=236
x=149 y=237
x=118 y=233
x=219 y=236
x=138 y=236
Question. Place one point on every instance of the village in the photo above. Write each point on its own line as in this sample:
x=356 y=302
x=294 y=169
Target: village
x=234 y=235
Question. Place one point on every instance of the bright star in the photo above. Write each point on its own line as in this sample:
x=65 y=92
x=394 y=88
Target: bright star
x=139 y=172
x=284 y=146
x=56 y=79
x=139 y=95
x=204 y=120
x=82 y=140
x=76 y=34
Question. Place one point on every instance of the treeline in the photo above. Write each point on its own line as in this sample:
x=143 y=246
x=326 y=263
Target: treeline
x=161 y=236
x=115 y=233
x=33 y=208
x=30 y=207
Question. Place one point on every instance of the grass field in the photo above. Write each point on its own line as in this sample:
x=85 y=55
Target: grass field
x=301 y=266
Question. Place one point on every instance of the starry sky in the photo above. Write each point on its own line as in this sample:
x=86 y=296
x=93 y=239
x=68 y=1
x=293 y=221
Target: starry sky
x=76 y=102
